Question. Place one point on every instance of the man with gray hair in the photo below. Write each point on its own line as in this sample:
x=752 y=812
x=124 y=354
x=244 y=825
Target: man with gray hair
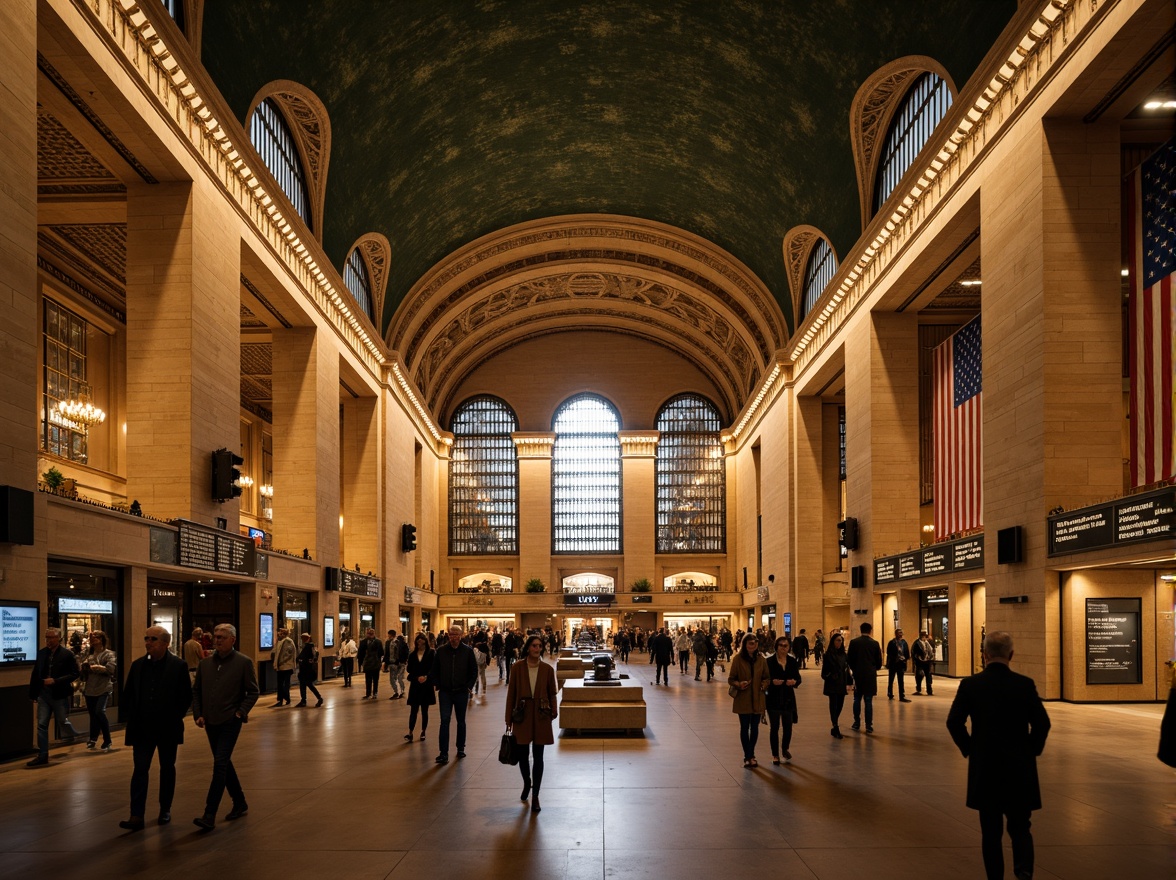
x=225 y=691
x=455 y=669
x=50 y=688
x=1009 y=727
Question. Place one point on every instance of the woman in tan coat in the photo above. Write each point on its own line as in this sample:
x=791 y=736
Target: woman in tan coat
x=749 y=679
x=530 y=709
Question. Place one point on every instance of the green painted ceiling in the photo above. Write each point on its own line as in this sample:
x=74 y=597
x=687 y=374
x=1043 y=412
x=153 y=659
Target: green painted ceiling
x=450 y=120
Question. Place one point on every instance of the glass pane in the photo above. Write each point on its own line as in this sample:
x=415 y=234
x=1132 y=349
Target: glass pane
x=586 y=478
x=483 y=487
x=691 y=478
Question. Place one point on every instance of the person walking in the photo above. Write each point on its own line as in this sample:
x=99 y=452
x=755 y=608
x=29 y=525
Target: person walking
x=225 y=691
x=50 y=687
x=818 y=646
x=661 y=652
x=194 y=652
x=97 y=669
x=395 y=656
x=157 y=696
x=308 y=671
x=1009 y=729
x=897 y=654
x=698 y=646
x=800 y=649
x=420 y=691
x=530 y=710
x=682 y=646
x=923 y=653
x=783 y=680
x=454 y=672
x=347 y=651
x=284 y=656
x=865 y=659
x=838 y=680
x=748 y=682
x=482 y=656
x=498 y=652
x=371 y=659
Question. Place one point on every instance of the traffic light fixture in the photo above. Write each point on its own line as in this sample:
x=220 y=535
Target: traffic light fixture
x=847 y=534
x=226 y=475
x=407 y=537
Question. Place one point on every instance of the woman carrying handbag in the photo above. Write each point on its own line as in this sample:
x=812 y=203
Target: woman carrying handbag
x=747 y=683
x=530 y=709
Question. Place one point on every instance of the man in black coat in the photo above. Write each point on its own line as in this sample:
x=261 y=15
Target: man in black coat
x=1009 y=727
x=50 y=687
x=158 y=693
x=800 y=649
x=455 y=669
x=661 y=650
x=865 y=659
x=898 y=652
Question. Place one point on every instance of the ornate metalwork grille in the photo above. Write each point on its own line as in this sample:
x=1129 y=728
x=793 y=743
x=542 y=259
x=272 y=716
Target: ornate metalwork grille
x=483 y=480
x=923 y=107
x=65 y=371
x=822 y=266
x=691 y=478
x=355 y=276
x=273 y=141
x=586 y=478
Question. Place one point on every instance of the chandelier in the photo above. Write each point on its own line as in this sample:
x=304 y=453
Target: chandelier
x=81 y=409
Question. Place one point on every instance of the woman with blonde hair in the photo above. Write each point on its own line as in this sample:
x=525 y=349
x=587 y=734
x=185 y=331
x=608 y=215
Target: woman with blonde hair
x=97 y=670
x=748 y=683
x=530 y=709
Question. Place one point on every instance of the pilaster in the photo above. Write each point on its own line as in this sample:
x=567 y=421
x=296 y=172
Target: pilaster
x=360 y=507
x=638 y=468
x=534 y=452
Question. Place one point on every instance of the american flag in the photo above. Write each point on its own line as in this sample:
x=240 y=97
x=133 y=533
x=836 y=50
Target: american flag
x=1151 y=221
x=957 y=417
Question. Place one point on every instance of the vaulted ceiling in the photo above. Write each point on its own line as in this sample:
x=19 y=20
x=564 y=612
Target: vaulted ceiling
x=452 y=121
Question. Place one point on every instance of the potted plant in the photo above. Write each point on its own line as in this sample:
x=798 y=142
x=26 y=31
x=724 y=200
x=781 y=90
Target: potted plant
x=641 y=585
x=54 y=479
x=535 y=585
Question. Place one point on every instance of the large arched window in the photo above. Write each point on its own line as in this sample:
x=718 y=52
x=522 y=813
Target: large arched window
x=586 y=477
x=691 y=478
x=359 y=282
x=275 y=144
x=822 y=266
x=483 y=479
x=925 y=104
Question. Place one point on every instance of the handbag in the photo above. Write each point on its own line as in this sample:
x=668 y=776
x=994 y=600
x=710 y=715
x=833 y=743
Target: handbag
x=508 y=750
x=733 y=690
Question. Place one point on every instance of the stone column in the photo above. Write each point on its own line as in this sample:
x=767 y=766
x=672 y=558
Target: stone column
x=638 y=529
x=534 y=452
x=360 y=509
x=811 y=526
x=882 y=441
x=183 y=347
x=306 y=443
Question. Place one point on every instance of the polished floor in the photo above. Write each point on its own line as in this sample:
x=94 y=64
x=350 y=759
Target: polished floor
x=336 y=792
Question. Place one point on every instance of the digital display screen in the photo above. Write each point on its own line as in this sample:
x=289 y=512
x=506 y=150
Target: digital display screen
x=266 y=630
x=20 y=630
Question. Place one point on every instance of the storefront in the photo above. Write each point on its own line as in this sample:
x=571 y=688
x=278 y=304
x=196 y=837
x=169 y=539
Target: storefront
x=934 y=619
x=84 y=599
x=165 y=608
x=294 y=613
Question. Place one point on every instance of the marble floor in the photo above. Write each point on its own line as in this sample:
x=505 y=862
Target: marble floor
x=336 y=792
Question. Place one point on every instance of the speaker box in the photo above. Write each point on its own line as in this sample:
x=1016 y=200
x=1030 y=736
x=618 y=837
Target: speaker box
x=16 y=515
x=1008 y=545
x=332 y=579
x=857 y=577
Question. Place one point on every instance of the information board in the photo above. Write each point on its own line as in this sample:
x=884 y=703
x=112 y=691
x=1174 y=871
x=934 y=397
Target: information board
x=19 y=632
x=962 y=554
x=1147 y=517
x=1113 y=647
x=214 y=550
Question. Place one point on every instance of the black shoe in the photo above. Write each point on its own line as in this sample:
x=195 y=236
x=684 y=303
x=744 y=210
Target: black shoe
x=164 y=818
x=535 y=808
x=300 y=705
x=857 y=725
x=37 y=761
x=696 y=678
x=526 y=791
x=275 y=705
x=319 y=703
x=422 y=736
x=408 y=737
x=890 y=696
x=787 y=755
x=206 y=822
x=287 y=702
x=461 y=754
x=930 y=694
x=393 y=697
x=365 y=697
x=237 y=812
x=869 y=730
x=836 y=733
x=135 y=823
x=903 y=700
x=442 y=759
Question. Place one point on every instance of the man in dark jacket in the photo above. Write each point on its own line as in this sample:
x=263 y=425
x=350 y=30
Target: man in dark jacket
x=157 y=695
x=455 y=669
x=1009 y=727
x=865 y=659
x=225 y=691
x=498 y=651
x=800 y=649
x=371 y=658
x=661 y=649
x=898 y=652
x=50 y=688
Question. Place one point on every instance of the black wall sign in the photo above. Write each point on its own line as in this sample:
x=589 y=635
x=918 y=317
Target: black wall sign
x=354 y=582
x=963 y=554
x=1113 y=648
x=1147 y=517
x=214 y=550
x=646 y=599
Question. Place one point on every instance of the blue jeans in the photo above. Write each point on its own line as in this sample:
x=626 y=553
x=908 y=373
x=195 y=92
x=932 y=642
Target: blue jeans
x=456 y=702
x=48 y=707
x=222 y=739
x=858 y=697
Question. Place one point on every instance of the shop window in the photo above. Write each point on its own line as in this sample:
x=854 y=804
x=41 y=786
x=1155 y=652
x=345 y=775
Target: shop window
x=691 y=478
x=275 y=144
x=483 y=479
x=925 y=104
x=65 y=339
x=589 y=583
x=586 y=477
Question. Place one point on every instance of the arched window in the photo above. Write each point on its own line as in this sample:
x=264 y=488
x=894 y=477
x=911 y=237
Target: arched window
x=273 y=141
x=822 y=266
x=355 y=276
x=691 y=478
x=175 y=8
x=483 y=479
x=924 y=106
x=586 y=477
